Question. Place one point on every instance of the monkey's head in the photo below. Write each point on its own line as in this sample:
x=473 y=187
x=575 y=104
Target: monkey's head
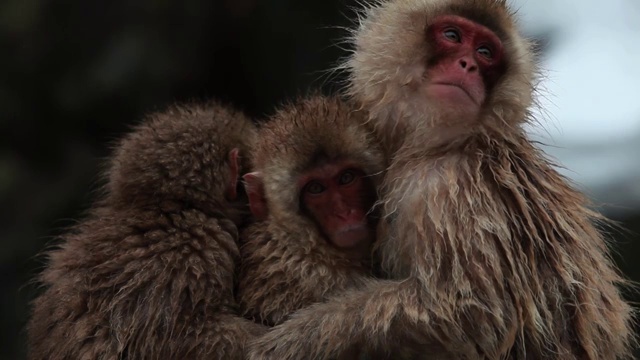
x=456 y=66
x=316 y=167
x=186 y=157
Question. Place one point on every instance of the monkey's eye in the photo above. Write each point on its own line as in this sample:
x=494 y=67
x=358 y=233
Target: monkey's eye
x=485 y=52
x=452 y=35
x=347 y=177
x=314 y=188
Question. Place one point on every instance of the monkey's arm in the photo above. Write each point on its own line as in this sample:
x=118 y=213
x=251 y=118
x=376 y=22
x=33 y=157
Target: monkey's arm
x=385 y=317
x=445 y=313
x=277 y=277
x=141 y=285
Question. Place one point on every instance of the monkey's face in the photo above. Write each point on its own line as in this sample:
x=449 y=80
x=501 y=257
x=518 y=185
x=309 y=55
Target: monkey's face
x=467 y=61
x=338 y=197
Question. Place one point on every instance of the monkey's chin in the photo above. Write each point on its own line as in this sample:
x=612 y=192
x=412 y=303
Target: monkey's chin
x=352 y=237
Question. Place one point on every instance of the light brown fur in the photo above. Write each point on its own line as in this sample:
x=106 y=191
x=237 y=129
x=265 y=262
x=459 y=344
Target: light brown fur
x=492 y=253
x=287 y=263
x=150 y=273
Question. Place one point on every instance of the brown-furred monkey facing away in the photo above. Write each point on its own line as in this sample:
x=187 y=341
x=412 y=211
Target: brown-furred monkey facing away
x=150 y=273
x=316 y=168
x=491 y=252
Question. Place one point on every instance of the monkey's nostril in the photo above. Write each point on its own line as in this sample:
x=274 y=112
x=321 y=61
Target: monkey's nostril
x=463 y=64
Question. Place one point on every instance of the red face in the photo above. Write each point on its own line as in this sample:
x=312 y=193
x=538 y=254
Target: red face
x=468 y=60
x=338 y=197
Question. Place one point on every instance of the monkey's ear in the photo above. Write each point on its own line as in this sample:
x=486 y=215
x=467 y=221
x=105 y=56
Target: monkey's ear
x=255 y=190
x=232 y=185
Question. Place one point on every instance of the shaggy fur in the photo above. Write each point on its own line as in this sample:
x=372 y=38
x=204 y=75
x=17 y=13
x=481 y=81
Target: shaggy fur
x=150 y=273
x=493 y=254
x=287 y=264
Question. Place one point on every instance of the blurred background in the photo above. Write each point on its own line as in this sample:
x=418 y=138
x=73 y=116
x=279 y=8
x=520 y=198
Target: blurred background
x=75 y=75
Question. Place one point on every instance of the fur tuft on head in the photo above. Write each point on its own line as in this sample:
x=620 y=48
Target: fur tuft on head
x=180 y=156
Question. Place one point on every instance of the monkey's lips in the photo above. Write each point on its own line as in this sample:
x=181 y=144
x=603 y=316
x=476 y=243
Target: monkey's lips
x=351 y=236
x=450 y=91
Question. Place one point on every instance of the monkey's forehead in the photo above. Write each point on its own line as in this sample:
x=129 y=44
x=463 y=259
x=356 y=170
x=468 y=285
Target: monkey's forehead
x=493 y=14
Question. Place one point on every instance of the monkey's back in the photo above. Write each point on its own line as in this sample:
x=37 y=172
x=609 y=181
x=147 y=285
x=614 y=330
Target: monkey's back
x=150 y=272
x=140 y=284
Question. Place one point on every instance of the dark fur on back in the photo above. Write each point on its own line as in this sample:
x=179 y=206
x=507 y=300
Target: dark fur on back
x=287 y=264
x=150 y=273
x=493 y=254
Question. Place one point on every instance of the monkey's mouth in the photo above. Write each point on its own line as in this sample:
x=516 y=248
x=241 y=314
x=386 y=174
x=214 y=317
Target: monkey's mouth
x=460 y=89
x=351 y=236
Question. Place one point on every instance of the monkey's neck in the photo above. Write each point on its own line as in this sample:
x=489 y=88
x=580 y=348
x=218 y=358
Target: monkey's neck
x=440 y=139
x=427 y=139
x=418 y=149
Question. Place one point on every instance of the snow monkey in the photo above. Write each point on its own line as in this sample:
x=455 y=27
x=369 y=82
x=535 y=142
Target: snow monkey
x=150 y=273
x=315 y=170
x=491 y=253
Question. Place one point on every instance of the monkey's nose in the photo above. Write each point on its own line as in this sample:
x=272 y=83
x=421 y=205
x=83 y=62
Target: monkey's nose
x=342 y=210
x=343 y=213
x=468 y=64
